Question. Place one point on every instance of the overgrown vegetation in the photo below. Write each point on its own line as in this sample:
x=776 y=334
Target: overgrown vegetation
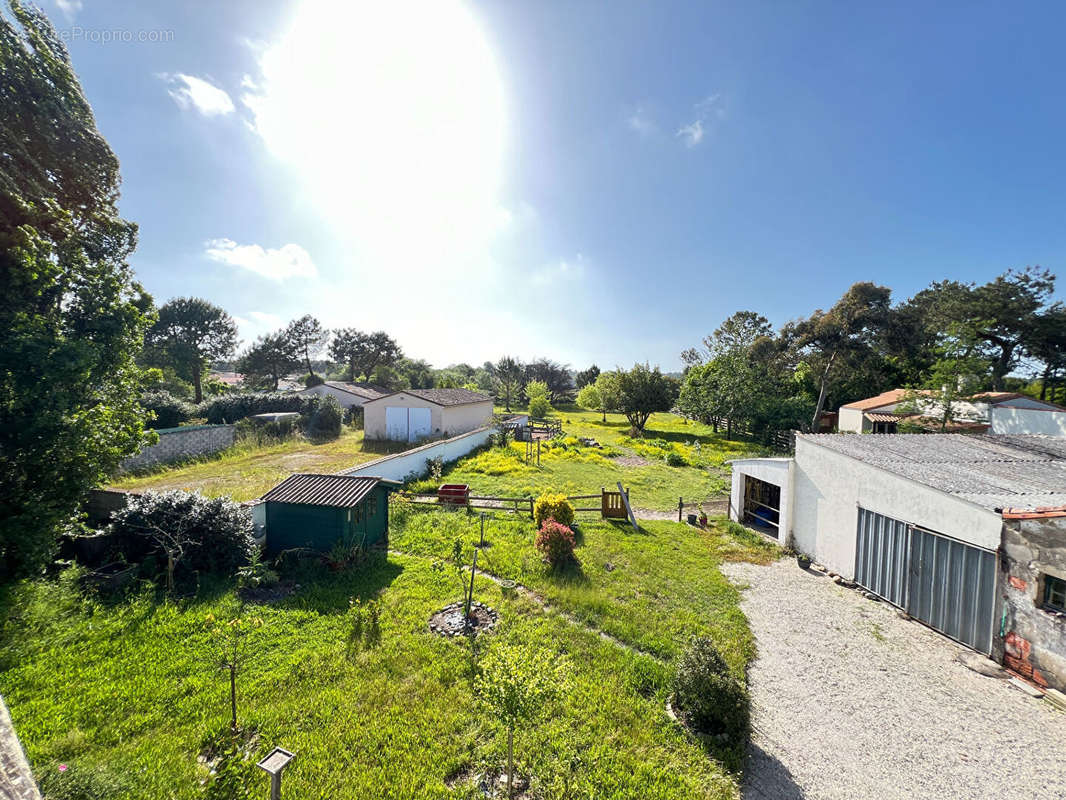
x=710 y=697
x=401 y=703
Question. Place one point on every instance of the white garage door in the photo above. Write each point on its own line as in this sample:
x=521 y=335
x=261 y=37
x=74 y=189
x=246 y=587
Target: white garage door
x=419 y=424
x=407 y=424
x=396 y=423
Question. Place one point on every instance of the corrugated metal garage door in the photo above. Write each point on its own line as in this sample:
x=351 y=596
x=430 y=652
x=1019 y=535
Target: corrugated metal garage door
x=945 y=583
x=881 y=556
x=952 y=588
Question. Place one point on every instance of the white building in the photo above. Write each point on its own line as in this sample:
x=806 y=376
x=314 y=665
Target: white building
x=997 y=412
x=346 y=393
x=967 y=533
x=414 y=414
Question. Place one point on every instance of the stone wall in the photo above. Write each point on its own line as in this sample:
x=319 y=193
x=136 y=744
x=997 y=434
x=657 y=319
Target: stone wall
x=1034 y=638
x=179 y=444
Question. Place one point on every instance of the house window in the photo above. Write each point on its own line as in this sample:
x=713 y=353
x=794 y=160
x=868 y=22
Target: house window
x=1054 y=593
x=884 y=427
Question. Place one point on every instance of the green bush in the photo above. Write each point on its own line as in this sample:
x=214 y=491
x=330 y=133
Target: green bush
x=675 y=459
x=326 y=421
x=217 y=533
x=234 y=407
x=537 y=394
x=553 y=506
x=170 y=411
x=707 y=695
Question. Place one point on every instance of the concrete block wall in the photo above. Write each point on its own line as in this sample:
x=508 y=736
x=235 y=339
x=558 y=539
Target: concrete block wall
x=415 y=462
x=178 y=444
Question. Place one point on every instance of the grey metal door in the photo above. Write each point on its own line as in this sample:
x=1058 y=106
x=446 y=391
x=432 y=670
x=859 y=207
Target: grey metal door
x=951 y=587
x=946 y=584
x=881 y=556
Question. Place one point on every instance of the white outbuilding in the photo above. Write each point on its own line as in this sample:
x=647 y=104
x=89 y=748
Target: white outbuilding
x=415 y=414
x=966 y=533
x=346 y=393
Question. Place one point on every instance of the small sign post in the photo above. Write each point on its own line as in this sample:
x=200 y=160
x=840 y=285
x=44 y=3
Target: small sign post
x=276 y=761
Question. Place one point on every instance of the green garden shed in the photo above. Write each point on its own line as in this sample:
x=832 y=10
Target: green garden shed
x=318 y=511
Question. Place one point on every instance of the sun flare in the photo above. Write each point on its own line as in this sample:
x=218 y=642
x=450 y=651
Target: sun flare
x=393 y=116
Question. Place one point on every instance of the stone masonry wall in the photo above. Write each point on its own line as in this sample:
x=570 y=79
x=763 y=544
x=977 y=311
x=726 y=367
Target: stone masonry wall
x=178 y=444
x=1034 y=641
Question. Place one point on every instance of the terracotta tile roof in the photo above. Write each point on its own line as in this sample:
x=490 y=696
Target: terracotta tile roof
x=339 y=491
x=883 y=399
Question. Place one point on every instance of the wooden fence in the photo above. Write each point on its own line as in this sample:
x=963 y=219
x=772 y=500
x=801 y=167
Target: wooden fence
x=611 y=504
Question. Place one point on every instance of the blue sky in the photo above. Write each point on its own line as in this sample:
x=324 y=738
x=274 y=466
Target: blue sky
x=587 y=181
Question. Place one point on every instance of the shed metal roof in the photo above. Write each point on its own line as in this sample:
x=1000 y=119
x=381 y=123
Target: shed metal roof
x=444 y=397
x=338 y=491
x=993 y=471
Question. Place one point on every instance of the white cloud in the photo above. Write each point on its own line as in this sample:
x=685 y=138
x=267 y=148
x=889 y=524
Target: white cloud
x=706 y=109
x=288 y=261
x=641 y=123
x=692 y=134
x=69 y=7
x=189 y=91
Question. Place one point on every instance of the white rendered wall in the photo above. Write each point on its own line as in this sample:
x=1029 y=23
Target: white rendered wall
x=850 y=419
x=1007 y=419
x=777 y=471
x=829 y=487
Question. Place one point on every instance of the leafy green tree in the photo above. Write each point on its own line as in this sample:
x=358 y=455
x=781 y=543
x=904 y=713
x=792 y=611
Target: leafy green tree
x=642 y=392
x=364 y=352
x=72 y=318
x=417 y=372
x=588 y=397
x=517 y=683
x=537 y=395
x=1047 y=344
x=188 y=334
x=508 y=374
x=271 y=358
x=308 y=338
x=834 y=340
x=586 y=377
x=555 y=376
x=609 y=387
x=955 y=378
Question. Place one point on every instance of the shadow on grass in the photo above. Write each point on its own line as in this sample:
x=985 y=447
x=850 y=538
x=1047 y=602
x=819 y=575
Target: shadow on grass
x=626 y=527
x=326 y=591
x=571 y=574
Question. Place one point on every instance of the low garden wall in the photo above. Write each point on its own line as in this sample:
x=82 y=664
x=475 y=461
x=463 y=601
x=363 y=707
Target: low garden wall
x=178 y=444
x=415 y=462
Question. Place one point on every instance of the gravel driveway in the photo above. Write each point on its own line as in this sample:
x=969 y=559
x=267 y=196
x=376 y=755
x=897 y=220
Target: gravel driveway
x=853 y=702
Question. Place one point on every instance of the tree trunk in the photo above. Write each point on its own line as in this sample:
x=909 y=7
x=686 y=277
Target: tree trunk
x=815 y=422
x=198 y=383
x=510 y=760
x=170 y=572
x=1043 y=382
x=604 y=414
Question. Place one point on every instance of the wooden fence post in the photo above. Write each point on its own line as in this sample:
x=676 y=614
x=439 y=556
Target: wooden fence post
x=680 y=506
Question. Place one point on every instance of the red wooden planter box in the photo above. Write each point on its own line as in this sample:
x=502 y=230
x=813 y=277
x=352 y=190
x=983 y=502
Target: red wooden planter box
x=456 y=494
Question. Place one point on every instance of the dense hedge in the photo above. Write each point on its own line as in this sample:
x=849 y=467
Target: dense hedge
x=217 y=531
x=234 y=407
x=326 y=421
x=170 y=411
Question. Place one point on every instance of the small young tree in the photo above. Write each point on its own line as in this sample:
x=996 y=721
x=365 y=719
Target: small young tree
x=589 y=398
x=609 y=386
x=228 y=637
x=516 y=683
x=537 y=395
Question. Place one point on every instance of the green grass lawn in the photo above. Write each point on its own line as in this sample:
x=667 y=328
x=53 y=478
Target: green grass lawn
x=126 y=686
x=247 y=470
x=576 y=469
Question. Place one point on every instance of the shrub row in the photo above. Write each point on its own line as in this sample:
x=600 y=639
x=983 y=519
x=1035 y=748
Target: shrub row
x=234 y=407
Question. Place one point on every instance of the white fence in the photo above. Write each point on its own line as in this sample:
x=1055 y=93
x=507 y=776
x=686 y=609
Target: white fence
x=416 y=462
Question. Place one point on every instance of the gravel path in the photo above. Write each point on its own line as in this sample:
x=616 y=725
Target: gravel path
x=851 y=701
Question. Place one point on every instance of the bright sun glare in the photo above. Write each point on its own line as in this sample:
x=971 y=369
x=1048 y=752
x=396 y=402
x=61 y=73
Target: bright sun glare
x=393 y=113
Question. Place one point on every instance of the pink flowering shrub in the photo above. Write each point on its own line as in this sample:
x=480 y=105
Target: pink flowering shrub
x=556 y=542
